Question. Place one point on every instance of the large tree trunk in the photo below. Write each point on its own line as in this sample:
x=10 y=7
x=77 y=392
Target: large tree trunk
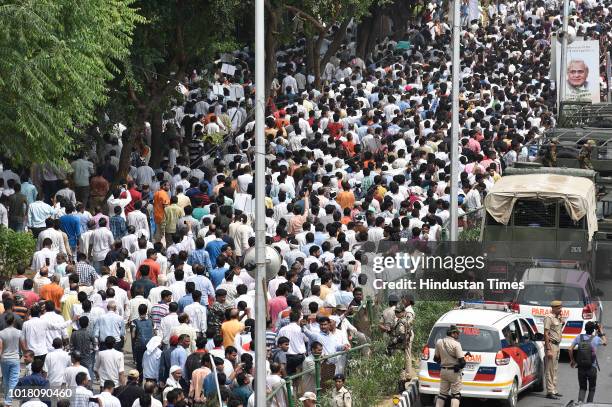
x=310 y=45
x=157 y=147
x=363 y=36
x=272 y=18
x=316 y=63
x=134 y=130
x=339 y=37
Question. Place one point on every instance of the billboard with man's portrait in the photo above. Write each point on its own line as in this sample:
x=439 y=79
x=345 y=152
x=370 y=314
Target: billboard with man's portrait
x=581 y=73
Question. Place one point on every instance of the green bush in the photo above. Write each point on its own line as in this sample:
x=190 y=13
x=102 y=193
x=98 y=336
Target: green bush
x=372 y=379
x=15 y=248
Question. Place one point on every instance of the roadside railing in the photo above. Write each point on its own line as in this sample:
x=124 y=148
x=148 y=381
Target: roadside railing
x=471 y=222
x=366 y=305
x=289 y=380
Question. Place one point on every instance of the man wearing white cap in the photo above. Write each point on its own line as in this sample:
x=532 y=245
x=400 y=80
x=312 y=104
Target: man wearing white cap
x=172 y=382
x=309 y=399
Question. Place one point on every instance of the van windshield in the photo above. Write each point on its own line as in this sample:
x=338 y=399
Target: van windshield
x=472 y=339
x=542 y=294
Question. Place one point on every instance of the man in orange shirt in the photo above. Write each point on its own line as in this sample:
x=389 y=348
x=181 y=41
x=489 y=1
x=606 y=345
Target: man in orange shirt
x=154 y=267
x=346 y=198
x=53 y=291
x=161 y=199
x=231 y=328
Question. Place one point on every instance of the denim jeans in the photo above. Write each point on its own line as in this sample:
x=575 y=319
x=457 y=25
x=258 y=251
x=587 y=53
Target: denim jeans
x=10 y=376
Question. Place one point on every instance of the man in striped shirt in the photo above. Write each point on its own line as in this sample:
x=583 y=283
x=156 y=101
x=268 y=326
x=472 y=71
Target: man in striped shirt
x=160 y=310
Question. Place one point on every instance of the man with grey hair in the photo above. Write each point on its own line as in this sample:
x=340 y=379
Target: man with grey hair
x=110 y=324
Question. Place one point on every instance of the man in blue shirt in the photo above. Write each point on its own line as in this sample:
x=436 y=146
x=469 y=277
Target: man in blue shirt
x=587 y=373
x=187 y=299
x=215 y=247
x=218 y=274
x=71 y=225
x=179 y=355
x=28 y=189
x=202 y=283
x=200 y=256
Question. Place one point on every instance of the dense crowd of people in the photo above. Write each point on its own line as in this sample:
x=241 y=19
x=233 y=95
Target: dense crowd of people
x=156 y=260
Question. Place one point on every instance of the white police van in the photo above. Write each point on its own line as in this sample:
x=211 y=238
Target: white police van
x=506 y=354
x=573 y=287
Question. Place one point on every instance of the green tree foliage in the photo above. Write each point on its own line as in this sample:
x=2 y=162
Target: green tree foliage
x=15 y=248
x=179 y=36
x=56 y=57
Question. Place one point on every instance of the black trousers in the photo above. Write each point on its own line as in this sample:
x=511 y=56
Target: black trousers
x=587 y=376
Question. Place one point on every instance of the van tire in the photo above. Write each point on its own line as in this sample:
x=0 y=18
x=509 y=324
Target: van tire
x=539 y=384
x=512 y=400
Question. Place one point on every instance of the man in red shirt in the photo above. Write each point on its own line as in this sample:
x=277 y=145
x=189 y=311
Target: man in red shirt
x=335 y=127
x=134 y=193
x=154 y=267
x=29 y=297
x=278 y=303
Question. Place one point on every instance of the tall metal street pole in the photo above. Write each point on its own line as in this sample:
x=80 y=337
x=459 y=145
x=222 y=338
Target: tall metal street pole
x=454 y=198
x=563 y=64
x=260 y=214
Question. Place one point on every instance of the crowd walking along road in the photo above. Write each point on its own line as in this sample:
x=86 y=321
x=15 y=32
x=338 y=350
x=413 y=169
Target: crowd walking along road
x=140 y=291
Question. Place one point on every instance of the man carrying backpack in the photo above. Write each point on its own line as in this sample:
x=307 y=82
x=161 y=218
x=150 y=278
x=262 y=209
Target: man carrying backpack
x=584 y=357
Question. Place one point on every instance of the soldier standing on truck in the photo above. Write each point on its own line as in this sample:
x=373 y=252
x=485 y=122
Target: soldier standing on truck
x=549 y=158
x=585 y=155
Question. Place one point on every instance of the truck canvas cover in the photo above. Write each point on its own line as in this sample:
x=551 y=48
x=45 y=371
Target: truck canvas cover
x=577 y=193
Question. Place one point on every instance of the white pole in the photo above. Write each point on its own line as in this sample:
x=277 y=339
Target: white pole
x=454 y=198
x=214 y=371
x=260 y=213
x=563 y=64
x=608 y=72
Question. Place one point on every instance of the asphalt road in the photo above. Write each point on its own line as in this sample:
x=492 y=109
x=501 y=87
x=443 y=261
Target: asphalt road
x=568 y=377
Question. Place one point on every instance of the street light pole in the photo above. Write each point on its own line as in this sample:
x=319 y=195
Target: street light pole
x=260 y=214
x=454 y=153
x=563 y=63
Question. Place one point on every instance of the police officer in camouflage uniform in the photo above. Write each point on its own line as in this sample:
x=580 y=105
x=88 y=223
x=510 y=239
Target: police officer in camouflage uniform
x=450 y=356
x=387 y=319
x=400 y=338
x=216 y=312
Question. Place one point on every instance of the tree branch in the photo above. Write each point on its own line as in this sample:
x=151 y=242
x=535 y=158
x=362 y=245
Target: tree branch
x=300 y=13
x=336 y=42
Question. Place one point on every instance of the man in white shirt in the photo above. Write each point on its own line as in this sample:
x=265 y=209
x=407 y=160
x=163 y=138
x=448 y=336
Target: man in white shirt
x=197 y=313
x=136 y=302
x=82 y=394
x=33 y=332
x=297 y=347
x=115 y=200
x=110 y=364
x=169 y=322
x=44 y=257
x=106 y=396
x=71 y=372
x=56 y=362
x=101 y=243
x=53 y=318
x=139 y=220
